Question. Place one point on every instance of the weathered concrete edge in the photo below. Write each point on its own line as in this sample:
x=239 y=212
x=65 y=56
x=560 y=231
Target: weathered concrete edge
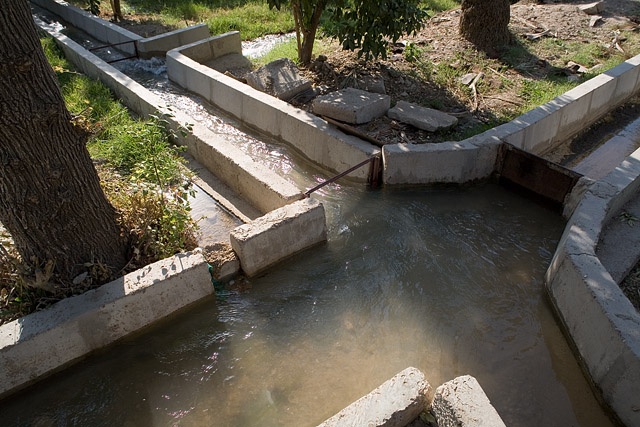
x=278 y=235
x=462 y=402
x=259 y=185
x=602 y=323
x=395 y=403
x=44 y=342
x=102 y=30
x=109 y=33
x=535 y=131
x=308 y=134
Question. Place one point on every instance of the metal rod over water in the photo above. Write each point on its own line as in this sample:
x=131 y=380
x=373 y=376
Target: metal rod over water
x=373 y=179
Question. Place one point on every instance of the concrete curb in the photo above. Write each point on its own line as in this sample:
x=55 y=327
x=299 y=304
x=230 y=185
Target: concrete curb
x=535 y=131
x=278 y=235
x=395 y=403
x=461 y=402
x=262 y=187
x=307 y=133
x=44 y=342
x=600 y=320
x=110 y=33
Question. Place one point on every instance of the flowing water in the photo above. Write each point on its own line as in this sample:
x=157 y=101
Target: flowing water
x=447 y=281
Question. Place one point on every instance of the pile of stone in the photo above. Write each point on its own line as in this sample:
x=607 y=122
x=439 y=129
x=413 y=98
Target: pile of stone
x=357 y=106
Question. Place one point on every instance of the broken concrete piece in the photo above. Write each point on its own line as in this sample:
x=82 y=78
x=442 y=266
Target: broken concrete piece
x=595 y=19
x=421 y=117
x=462 y=403
x=468 y=78
x=395 y=403
x=352 y=105
x=279 y=78
x=592 y=8
x=279 y=234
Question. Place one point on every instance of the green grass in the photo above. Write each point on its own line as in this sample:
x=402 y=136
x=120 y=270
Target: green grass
x=253 y=18
x=440 y=5
x=289 y=49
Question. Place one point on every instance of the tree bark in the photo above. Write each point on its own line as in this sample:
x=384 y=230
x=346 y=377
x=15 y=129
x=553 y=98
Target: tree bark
x=50 y=196
x=485 y=23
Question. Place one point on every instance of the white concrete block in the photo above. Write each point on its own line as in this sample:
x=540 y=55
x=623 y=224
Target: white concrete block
x=40 y=343
x=352 y=105
x=574 y=113
x=601 y=100
x=227 y=94
x=261 y=111
x=176 y=68
x=278 y=235
x=395 y=403
x=447 y=162
x=225 y=44
x=462 y=403
x=198 y=80
x=199 y=51
x=626 y=75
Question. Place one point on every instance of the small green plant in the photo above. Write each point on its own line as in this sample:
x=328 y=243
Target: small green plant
x=412 y=53
x=628 y=218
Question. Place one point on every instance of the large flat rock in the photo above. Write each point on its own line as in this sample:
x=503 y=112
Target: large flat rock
x=352 y=105
x=279 y=78
x=421 y=117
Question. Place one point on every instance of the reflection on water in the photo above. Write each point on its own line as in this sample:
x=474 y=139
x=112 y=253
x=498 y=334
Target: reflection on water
x=449 y=282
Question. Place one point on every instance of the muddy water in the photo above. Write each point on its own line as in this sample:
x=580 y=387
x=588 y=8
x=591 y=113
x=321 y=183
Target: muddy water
x=447 y=281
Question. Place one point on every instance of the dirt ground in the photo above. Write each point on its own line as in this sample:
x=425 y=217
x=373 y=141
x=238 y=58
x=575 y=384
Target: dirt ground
x=425 y=69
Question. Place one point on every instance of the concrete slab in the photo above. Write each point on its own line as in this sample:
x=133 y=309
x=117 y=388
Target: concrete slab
x=280 y=78
x=461 y=402
x=46 y=341
x=278 y=235
x=352 y=105
x=395 y=403
x=159 y=45
x=421 y=117
x=607 y=157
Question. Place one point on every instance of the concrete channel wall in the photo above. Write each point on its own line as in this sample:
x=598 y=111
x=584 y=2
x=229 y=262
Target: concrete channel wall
x=110 y=33
x=262 y=187
x=536 y=131
x=603 y=324
x=312 y=136
x=44 y=342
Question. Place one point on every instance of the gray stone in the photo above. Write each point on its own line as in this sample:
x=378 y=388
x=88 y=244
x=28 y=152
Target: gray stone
x=462 y=403
x=352 y=105
x=468 y=78
x=421 y=117
x=592 y=8
x=395 y=403
x=279 y=78
x=230 y=62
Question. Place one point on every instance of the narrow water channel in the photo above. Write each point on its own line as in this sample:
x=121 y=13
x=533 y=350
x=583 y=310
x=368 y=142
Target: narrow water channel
x=447 y=281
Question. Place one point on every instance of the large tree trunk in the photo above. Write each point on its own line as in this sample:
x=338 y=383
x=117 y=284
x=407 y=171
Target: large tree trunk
x=50 y=196
x=485 y=23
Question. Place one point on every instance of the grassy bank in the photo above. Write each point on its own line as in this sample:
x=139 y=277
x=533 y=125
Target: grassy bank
x=142 y=175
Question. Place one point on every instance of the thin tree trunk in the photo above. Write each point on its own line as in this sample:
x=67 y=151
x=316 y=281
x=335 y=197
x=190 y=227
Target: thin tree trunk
x=485 y=23
x=50 y=196
x=309 y=32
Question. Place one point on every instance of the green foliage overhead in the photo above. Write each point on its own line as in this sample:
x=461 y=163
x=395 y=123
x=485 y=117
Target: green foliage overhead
x=357 y=24
x=367 y=25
